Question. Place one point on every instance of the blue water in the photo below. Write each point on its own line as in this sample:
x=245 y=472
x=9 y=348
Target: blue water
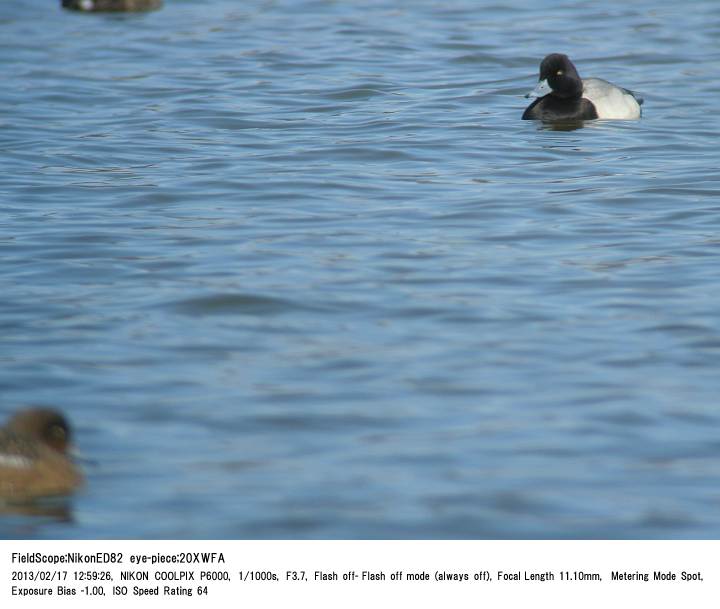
x=296 y=269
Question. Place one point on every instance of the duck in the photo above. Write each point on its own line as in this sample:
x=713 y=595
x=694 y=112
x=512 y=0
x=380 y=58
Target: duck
x=561 y=95
x=35 y=459
x=112 y=5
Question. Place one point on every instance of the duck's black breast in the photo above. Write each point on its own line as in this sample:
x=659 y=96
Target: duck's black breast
x=551 y=108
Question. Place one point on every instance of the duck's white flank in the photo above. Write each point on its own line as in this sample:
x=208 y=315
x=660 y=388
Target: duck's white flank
x=610 y=101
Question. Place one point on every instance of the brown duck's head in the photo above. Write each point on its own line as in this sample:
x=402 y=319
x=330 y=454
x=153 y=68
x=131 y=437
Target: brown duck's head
x=43 y=424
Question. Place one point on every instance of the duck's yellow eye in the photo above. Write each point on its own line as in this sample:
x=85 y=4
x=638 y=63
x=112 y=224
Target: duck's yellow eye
x=560 y=72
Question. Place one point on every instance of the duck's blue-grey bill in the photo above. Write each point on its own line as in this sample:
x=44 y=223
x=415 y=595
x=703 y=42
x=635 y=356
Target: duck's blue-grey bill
x=541 y=90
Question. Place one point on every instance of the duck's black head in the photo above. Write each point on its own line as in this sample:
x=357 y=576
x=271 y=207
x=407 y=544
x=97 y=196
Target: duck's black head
x=561 y=76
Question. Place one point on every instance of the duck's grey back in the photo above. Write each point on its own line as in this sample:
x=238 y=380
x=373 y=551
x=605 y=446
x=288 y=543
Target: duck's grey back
x=611 y=101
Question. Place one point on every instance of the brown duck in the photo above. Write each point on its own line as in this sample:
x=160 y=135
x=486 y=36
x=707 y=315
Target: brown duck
x=34 y=458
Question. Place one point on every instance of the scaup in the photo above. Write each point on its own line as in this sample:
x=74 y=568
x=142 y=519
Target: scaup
x=563 y=96
x=34 y=459
x=112 y=5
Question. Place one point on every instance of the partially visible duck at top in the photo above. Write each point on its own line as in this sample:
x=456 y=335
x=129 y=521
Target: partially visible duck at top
x=34 y=456
x=112 y=5
x=563 y=96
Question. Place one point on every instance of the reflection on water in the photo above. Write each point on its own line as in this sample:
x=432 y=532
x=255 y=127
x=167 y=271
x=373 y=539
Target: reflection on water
x=55 y=510
x=298 y=269
x=562 y=125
